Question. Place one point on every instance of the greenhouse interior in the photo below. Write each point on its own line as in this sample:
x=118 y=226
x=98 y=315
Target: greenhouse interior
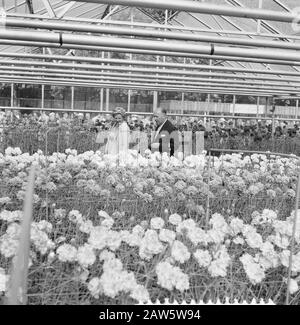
x=149 y=152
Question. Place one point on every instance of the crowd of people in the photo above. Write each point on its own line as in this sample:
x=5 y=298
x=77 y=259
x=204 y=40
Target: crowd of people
x=218 y=132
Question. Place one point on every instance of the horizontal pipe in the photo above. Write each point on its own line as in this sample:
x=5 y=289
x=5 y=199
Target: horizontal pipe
x=143 y=63
x=155 y=26
x=77 y=83
x=262 y=118
x=147 y=52
x=166 y=82
x=169 y=83
x=87 y=28
x=205 y=8
x=151 y=73
x=63 y=38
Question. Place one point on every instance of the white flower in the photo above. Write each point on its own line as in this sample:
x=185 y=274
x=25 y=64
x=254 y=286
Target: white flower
x=108 y=223
x=220 y=263
x=254 y=270
x=98 y=237
x=9 y=242
x=203 y=257
x=75 y=216
x=180 y=252
x=169 y=277
x=86 y=255
x=86 y=227
x=95 y=287
x=175 y=219
x=11 y=216
x=166 y=235
x=236 y=226
x=3 y=280
x=216 y=236
x=198 y=236
x=238 y=240
x=4 y=200
x=103 y=214
x=113 y=240
x=293 y=287
x=150 y=245
x=106 y=255
x=39 y=238
x=186 y=226
x=157 y=223
x=138 y=230
x=218 y=223
x=253 y=239
x=140 y=294
x=67 y=253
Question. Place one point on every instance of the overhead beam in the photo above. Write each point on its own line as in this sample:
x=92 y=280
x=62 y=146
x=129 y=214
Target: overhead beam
x=159 y=80
x=152 y=26
x=204 y=8
x=134 y=85
x=30 y=6
x=161 y=73
x=182 y=36
x=68 y=40
x=135 y=62
x=49 y=8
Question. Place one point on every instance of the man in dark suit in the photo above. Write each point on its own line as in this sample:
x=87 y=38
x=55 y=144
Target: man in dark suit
x=165 y=137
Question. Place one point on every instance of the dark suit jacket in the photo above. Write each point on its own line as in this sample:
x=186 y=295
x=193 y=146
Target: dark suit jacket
x=167 y=138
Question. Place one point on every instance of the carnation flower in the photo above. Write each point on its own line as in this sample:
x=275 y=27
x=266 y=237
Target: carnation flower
x=3 y=280
x=11 y=216
x=86 y=255
x=150 y=245
x=107 y=223
x=166 y=235
x=170 y=277
x=254 y=270
x=197 y=236
x=180 y=252
x=175 y=219
x=236 y=226
x=140 y=294
x=95 y=287
x=203 y=257
x=157 y=223
x=293 y=286
x=4 y=200
x=75 y=216
x=67 y=253
x=253 y=239
x=238 y=240
x=220 y=263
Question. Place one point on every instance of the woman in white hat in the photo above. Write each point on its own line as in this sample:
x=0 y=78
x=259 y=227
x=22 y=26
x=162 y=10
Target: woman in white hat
x=118 y=135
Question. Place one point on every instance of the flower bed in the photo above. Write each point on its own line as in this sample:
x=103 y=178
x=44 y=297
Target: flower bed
x=110 y=230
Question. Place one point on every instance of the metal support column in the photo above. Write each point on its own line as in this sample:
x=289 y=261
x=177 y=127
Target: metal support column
x=107 y=92
x=101 y=99
x=182 y=102
x=43 y=96
x=233 y=106
x=72 y=98
x=12 y=89
x=297 y=108
x=257 y=109
x=130 y=58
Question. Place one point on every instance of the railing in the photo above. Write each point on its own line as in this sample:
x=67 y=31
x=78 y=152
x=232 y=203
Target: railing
x=58 y=139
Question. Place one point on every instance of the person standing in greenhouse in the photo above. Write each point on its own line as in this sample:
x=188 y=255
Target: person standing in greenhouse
x=118 y=134
x=165 y=137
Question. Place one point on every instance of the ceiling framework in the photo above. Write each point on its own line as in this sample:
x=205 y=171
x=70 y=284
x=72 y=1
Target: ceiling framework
x=257 y=50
